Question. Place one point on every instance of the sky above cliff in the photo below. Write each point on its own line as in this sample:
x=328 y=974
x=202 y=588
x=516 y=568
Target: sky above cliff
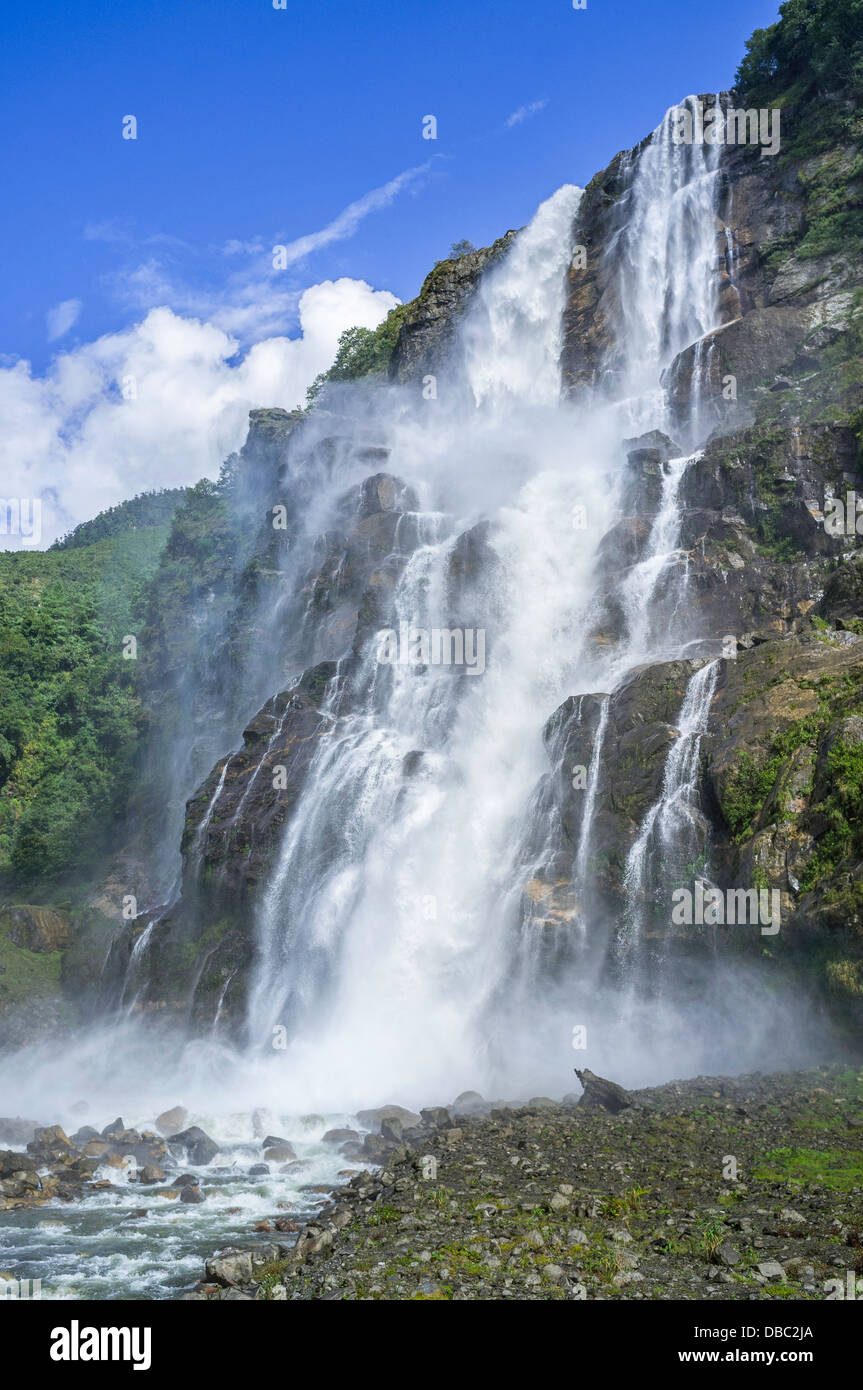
x=258 y=127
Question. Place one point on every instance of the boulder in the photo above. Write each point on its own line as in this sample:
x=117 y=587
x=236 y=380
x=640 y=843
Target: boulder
x=198 y=1147
x=171 y=1121
x=600 y=1094
x=53 y=1137
x=83 y=1135
x=372 y=1119
x=232 y=1268
x=151 y=1173
x=436 y=1115
x=279 y=1153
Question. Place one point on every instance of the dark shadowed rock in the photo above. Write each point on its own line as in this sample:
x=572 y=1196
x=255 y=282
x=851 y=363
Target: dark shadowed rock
x=601 y=1094
x=198 y=1147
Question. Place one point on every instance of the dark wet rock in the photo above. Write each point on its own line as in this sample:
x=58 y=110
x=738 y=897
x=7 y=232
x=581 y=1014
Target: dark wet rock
x=601 y=1093
x=275 y=1140
x=83 y=1135
x=279 y=1153
x=198 y=1147
x=191 y=1194
x=340 y=1136
x=259 y=1170
x=150 y=1174
x=437 y=1116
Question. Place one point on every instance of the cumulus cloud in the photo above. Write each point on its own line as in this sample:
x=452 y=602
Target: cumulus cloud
x=158 y=404
x=524 y=112
x=61 y=318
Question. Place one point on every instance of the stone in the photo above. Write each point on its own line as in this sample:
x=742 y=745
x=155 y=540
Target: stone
x=259 y=1170
x=171 y=1121
x=274 y=1141
x=96 y=1148
x=279 y=1153
x=340 y=1136
x=199 y=1148
x=600 y=1094
x=727 y=1255
x=53 y=1137
x=83 y=1135
x=469 y=1103
x=191 y=1194
x=436 y=1115
x=151 y=1173
x=771 y=1270
x=232 y=1267
x=372 y=1119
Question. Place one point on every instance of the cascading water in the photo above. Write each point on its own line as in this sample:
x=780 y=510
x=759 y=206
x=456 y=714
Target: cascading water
x=672 y=834
x=386 y=931
x=393 y=946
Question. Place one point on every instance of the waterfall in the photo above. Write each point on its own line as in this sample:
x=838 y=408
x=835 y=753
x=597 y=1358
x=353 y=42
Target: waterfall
x=394 y=954
x=388 y=928
x=672 y=832
x=668 y=286
x=590 y=792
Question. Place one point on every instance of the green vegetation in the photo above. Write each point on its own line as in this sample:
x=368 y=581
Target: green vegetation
x=831 y=1168
x=752 y=780
x=361 y=352
x=143 y=512
x=841 y=810
x=814 y=47
x=69 y=714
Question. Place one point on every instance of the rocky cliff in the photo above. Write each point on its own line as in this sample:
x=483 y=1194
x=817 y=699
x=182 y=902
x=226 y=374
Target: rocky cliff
x=769 y=591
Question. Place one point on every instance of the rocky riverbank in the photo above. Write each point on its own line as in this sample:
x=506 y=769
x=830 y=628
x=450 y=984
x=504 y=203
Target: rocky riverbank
x=745 y=1187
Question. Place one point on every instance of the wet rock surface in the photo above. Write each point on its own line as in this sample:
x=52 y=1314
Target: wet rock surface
x=740 y=1188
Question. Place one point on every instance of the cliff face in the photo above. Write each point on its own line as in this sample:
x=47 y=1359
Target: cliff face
x=779 y=598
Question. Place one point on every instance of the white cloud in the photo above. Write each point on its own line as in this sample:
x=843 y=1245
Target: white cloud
x=60 y=319
x=71 y=439
x=524 y=112
x=350 y=217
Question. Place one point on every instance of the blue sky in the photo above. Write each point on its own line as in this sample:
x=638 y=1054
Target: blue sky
x=259 y=126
